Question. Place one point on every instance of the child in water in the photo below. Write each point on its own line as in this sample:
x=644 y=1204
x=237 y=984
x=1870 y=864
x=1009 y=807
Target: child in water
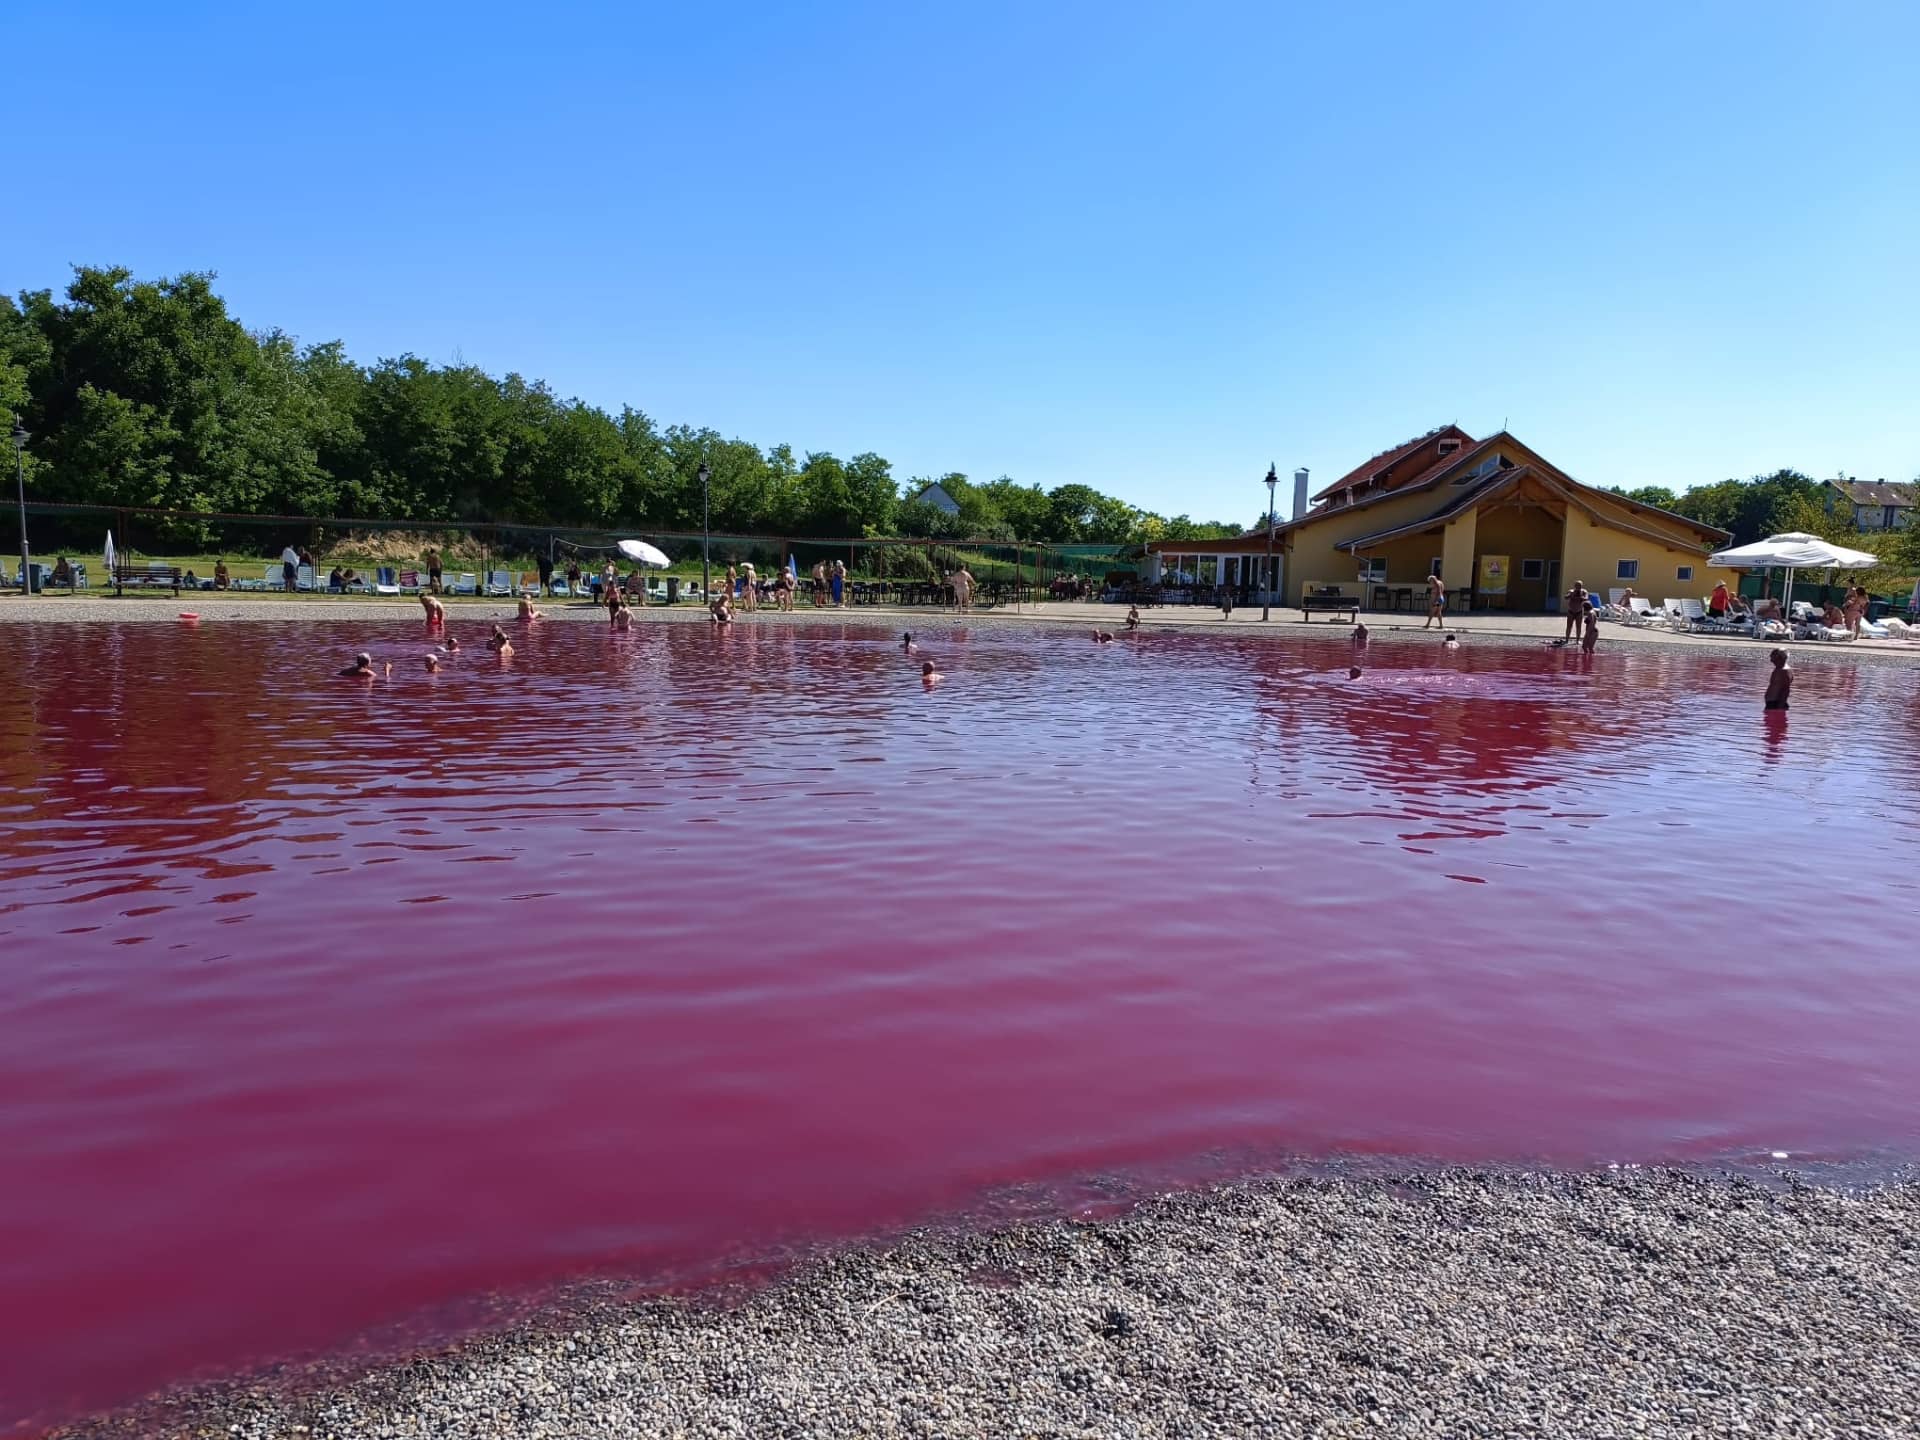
x=1452 y=642
x=929 y=675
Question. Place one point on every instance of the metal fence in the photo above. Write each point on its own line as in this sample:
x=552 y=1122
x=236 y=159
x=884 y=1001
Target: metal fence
x=1003 y=571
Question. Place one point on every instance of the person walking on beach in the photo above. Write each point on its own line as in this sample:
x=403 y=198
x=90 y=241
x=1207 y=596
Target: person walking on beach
x=545 y=565
x=433 y=568
x=962 y=582
x=289 y=568
x=1436 y=602
x=749 y=586
x=837 y=583
x=573 y=577
x=1780 y=682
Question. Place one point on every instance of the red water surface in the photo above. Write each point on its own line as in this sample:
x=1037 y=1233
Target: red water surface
x=330 y=1003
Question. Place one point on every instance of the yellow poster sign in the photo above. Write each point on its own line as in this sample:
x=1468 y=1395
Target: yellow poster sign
x=1493 y=575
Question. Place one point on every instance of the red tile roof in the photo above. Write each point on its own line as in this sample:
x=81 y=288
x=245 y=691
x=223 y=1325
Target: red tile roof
x=1386 y=459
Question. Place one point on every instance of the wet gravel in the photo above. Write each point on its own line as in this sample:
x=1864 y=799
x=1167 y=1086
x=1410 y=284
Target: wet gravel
x=1623 y=1303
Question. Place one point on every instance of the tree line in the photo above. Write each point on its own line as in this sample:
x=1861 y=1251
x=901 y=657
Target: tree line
x=1784 y=502
x=148 y=393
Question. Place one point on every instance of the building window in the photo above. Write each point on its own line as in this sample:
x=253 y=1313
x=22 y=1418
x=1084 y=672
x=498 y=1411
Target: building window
x=1373 y=572
x=1437 y=563
x=1533 y=569
x=1685 y=572
x=1627 y=570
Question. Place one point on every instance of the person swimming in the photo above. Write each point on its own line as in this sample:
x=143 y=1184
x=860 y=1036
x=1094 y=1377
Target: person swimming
x=929 y=675
x=906 y=643
x=1353 y=672
x=528 y=612
x=433 y=663
x=1359 y=635
x=1452 y=642
x=500 y=644
x=1103 y=637
x=452 y=646
x=360 y=669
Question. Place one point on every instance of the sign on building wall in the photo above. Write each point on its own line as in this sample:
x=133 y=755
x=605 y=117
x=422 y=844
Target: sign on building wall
x=1493 y=575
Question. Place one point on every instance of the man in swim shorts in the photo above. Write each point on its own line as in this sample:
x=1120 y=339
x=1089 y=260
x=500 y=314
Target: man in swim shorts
x=1780 y=683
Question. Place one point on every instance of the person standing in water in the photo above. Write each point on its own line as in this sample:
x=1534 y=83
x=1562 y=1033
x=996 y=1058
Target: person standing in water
x=1576 y=602
x=436 y=612
x=1591 y=637
x=1780 y=682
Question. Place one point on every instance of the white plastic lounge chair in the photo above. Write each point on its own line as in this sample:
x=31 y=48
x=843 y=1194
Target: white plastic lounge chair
x=409 y=581
x=383 y=581
x=303 y=578
x=1641 y=612
x=1874 y=629
x=499 y=583
x=1898 y=629
x=465 y=583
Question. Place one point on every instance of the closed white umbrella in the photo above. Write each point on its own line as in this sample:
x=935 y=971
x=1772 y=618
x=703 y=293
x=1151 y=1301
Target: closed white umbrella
x=646 y=554
x=1793 y=551
x=109 y=555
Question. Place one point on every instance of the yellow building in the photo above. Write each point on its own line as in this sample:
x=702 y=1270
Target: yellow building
x=1503 y=527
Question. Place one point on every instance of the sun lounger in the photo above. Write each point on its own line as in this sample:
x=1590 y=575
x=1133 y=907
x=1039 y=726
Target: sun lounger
x=499 y=584
x=1898 y=629
x=1640 y=611
x=383 y=581
x=465 y=583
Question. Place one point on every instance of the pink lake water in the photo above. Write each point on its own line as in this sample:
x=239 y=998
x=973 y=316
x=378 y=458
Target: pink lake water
x=329 y=1004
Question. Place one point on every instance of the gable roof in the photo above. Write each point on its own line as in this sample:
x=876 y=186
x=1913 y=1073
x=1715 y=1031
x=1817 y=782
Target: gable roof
x=1878 y=492
x=1568 y=489
x=1387 y=459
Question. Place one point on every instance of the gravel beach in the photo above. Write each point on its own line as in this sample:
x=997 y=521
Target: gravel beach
x=1620 y=1303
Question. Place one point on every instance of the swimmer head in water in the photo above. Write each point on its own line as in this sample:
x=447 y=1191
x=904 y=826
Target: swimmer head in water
x=433 y=663
x=361 y=668
x=1353 y=672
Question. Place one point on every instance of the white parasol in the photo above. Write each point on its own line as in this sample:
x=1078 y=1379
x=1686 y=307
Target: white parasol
x=1795 y=550
x=109 y=554
x=646 y=554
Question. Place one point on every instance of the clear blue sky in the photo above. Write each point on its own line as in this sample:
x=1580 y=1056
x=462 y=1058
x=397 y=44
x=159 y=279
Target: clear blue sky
x=1149 y=247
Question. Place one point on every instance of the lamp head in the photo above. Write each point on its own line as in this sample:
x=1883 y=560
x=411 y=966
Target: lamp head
x=1273 y=476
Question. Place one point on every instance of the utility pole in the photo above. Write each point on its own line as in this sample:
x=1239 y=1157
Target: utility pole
x=1266 y=590
x=706 y=538
x=27 y=586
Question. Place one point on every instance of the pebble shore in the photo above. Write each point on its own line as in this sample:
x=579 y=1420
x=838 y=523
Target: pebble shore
x=1443 y=1303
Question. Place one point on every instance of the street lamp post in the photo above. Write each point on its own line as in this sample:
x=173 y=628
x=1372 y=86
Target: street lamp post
x=20 y=482
x=1266 y=591
x=706 y=538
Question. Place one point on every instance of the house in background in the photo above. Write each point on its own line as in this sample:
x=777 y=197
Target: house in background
x=936 y=495
x=1872 y=504
x=1503 y=527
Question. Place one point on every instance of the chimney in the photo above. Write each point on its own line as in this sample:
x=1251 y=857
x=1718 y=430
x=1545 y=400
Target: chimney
x=1299 y=492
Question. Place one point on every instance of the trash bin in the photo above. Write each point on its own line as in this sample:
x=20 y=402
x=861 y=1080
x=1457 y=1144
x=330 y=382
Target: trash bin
x=673 y=589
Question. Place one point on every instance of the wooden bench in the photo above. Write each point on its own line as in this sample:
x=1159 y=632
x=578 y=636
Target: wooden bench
x=1331 y=601
x=149 y=574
